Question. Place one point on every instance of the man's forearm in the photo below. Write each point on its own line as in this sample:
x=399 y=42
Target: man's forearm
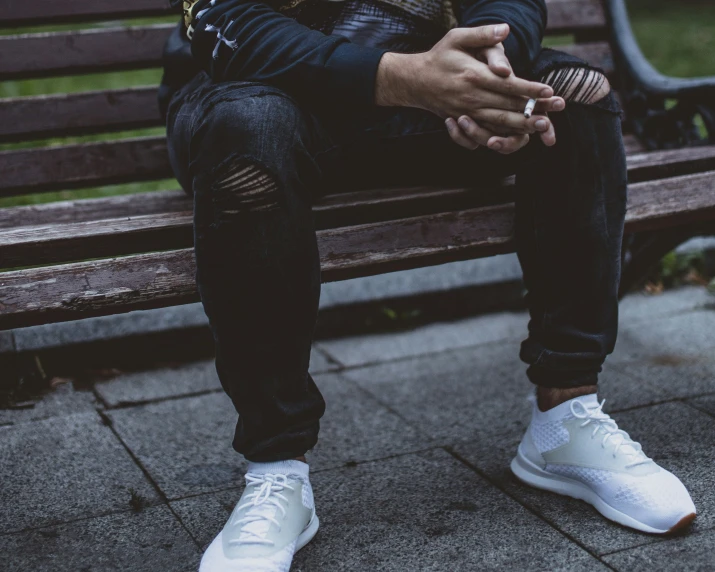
x=396 y=77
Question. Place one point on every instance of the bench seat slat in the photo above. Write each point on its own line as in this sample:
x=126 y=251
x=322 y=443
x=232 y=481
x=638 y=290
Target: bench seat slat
x=149 y=203
x=83 y=165
x=101 y=111
x=62 y=241
x=85 y=289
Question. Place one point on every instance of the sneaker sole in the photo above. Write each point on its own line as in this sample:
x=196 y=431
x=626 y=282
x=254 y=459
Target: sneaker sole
x=309 y=533
x=535 y=476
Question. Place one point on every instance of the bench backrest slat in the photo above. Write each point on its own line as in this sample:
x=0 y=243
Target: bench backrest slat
x=96 y=112
x=85 y=51
x=78 y=113
x=38 y=12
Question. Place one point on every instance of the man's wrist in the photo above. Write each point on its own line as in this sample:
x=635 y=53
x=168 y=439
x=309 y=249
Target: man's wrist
x=396 y=80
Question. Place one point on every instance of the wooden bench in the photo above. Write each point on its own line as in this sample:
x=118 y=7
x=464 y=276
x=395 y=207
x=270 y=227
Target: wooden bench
x=80 y=258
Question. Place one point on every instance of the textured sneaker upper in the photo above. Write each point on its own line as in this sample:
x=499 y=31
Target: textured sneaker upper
x=261 y=534
x=582 y=443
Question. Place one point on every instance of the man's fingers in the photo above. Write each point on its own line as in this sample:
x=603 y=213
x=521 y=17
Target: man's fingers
x=512 y=121
x=513 y=85
x=548 y=137
x=467 y=130
x=458 y=136
x=479 y=37
x=497 y=61
x=513 y=103
x=473 y=131
x=507 y=145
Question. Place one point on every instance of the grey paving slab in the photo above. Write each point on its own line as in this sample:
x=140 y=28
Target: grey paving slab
x=673 y=434
x=320 y=362
x=152 y=385
x=64 y=468
x=428 y=339
x=422 y=511
x=673 y=337
x=63 y=400
x=443 y=277
x=157 y=384
x=185 y=444
x=639 y=306
x=692 y=553
x=150 y=541
x=110 y=327
x=706 y=404
x=204 y=515
x=672 y=376
x=475 y=391
x=7 y=342
x=453 y=395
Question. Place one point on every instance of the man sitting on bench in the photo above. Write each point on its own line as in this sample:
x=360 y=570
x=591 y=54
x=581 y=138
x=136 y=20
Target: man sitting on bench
x=268 y=107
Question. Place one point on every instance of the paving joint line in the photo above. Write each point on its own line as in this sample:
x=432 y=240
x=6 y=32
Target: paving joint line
x=138 y=403
x=109 y=423
x=151 y=504
x=349 y=368
x=660 y=539
x=553 y=525
x=683 y=400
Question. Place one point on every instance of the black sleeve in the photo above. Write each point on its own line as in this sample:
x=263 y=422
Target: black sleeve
x=526 y=19
x=248 y=40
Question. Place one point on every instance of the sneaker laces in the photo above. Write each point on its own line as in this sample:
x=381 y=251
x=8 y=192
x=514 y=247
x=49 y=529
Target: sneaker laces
x=603 y=422
x=262 y=504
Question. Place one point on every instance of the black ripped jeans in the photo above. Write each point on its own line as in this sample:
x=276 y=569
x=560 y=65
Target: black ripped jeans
x=255 y=160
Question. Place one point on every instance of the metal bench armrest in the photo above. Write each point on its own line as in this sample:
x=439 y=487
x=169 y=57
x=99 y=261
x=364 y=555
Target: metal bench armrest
x=644 y=91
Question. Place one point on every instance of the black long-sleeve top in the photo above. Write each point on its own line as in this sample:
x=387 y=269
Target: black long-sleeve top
x=331 y=50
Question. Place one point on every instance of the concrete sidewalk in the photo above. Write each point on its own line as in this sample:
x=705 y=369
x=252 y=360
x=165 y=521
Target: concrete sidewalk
x=411 y=472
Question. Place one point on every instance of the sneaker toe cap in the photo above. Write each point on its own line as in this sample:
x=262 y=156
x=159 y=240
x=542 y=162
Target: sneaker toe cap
x=659 y=501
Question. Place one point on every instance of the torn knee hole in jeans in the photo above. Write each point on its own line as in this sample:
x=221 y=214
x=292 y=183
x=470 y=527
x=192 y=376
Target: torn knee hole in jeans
x=578 y=84
x=243 y=185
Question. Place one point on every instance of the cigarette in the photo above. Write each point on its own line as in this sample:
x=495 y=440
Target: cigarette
x=529 y=109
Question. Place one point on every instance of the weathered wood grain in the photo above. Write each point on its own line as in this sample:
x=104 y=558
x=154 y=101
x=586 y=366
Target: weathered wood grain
x=128 y=160
x=113 y=226
x=63 y=115
x=85 y=289
x=36 y=12
x=88 y=164
x=83 y=210
x=82 y=51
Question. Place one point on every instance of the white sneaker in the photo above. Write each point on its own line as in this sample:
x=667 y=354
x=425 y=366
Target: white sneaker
x=577 y=450
x=274 y=518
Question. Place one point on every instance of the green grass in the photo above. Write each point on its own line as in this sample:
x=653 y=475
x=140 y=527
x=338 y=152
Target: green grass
x=677 y=36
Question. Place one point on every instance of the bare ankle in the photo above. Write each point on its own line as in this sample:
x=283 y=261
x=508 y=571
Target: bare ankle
x=301 y=458
x=549 y=397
